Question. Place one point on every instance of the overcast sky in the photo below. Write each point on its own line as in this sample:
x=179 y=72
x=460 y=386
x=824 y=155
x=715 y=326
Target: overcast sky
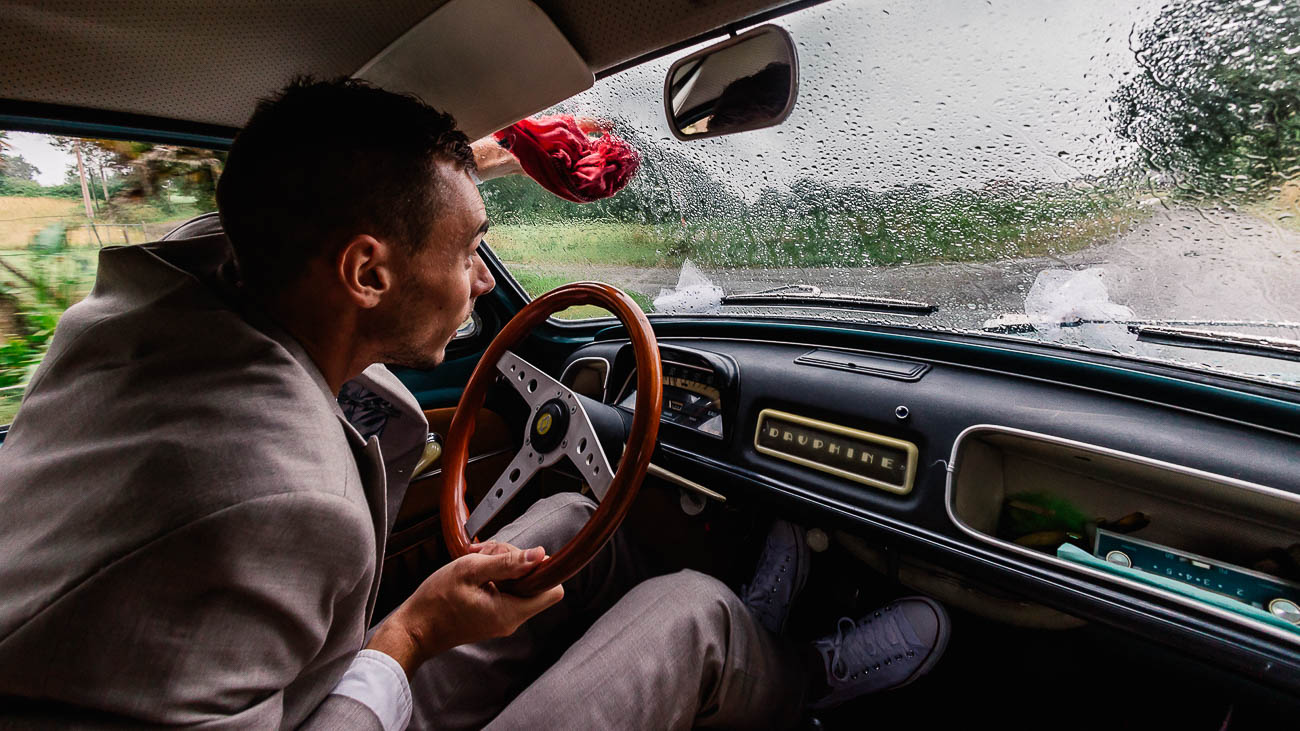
x=949 y=92
x=37 y=150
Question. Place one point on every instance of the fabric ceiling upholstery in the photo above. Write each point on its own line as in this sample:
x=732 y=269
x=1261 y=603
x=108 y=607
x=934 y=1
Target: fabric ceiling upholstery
x=209 y=62
x=609 y=32
x=193 y=60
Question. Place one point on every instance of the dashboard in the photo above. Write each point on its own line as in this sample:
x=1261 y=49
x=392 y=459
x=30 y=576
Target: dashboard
x=919 y=450
x=697 y=387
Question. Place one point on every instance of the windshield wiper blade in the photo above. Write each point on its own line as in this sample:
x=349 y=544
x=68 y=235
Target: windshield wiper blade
x=805 y=295
x=1227 y=342
x=1015 y=323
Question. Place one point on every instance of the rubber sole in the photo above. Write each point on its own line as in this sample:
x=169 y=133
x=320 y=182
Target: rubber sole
x=940 y=640
x=803 y=567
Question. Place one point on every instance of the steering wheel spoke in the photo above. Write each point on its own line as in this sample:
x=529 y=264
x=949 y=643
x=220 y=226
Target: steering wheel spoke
x=584 y=450
x=512 y=480
x=557 y=426
x=531 y=382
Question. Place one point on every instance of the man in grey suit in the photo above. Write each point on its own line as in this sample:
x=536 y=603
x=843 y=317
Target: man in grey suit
x=191 y=528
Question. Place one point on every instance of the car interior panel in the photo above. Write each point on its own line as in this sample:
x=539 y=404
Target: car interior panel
x=1112 y=528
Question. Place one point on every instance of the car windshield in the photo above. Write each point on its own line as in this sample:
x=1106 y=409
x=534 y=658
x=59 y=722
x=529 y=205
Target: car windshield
x=1070 y=173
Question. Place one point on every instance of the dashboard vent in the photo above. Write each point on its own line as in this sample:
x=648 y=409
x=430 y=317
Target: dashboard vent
x=874 y=365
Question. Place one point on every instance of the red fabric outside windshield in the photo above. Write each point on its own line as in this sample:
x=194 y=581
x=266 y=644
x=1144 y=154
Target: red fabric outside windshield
x=558 y=153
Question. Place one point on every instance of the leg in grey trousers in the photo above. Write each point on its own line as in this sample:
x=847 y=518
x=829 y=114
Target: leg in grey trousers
x=674 y=651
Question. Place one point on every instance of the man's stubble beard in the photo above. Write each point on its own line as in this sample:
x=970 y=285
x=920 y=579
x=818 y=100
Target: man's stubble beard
x=413 y=358
x=403 y=331
x=404 y=339
x=414 y=349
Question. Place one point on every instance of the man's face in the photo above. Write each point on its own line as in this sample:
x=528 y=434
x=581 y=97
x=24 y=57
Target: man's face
x=435 y=290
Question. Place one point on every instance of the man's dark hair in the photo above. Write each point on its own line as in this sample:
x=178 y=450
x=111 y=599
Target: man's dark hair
x=324 y=161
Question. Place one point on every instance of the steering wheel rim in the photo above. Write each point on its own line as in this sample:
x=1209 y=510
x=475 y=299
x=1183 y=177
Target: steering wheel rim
x=626 y=479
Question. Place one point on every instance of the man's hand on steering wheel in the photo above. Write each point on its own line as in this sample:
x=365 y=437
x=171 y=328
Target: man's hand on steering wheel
x=491 y=588
x=561 y=424
x=460 y=603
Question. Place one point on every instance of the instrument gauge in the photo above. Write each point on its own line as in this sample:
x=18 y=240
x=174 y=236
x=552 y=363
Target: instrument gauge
x=696 y=390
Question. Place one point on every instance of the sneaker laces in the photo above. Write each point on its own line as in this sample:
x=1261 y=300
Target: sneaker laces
x=777 y=565
x=767 y=578
x=866 y=646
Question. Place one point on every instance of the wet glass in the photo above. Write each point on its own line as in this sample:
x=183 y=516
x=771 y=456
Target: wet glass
x=1068 y=173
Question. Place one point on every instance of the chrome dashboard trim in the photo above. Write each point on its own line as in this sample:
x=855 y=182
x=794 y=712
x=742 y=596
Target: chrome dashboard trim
x=604 y=379
x=655 y=470
x=476 y=458
x=906 y=447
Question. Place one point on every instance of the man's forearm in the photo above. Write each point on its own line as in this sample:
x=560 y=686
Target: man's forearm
x=493 y=160
x=395 y=639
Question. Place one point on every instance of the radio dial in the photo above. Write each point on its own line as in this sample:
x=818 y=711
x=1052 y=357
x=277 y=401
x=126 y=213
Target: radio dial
x=1285 y=609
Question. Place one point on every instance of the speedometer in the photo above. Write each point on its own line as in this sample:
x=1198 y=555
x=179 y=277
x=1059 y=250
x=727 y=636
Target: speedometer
x=695 y=388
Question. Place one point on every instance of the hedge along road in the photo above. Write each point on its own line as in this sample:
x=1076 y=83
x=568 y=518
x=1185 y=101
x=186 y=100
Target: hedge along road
x=1183 y=263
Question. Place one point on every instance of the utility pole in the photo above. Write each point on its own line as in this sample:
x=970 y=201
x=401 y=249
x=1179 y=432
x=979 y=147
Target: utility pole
x=85 y=189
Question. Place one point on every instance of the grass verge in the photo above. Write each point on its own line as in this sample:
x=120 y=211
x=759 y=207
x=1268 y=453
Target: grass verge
x=579 y=242
x=962 y=226
x=536 y=284
x=21 y=218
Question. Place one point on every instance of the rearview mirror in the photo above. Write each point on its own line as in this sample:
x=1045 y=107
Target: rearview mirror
x=743 y=83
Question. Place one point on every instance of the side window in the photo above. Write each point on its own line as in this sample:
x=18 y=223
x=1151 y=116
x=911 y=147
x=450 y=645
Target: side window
x=62 y=199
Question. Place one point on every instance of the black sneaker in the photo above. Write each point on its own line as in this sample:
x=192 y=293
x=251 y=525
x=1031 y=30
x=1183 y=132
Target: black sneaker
x=886 y=649
x=781 y=572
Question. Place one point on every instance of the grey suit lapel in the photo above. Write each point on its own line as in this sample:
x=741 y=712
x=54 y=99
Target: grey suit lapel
x=370 y=465
x=376 y=402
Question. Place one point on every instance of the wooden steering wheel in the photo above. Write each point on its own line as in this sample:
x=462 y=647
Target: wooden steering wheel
x=560 y=423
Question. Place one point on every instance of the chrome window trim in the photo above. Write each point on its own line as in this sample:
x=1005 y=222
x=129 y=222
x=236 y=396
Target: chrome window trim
x=471 y=327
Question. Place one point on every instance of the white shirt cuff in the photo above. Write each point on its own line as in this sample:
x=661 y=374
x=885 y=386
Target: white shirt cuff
x=377 y=682
x=473 y=175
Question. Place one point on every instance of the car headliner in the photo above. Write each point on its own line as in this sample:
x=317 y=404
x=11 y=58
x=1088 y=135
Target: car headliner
x=197 y=68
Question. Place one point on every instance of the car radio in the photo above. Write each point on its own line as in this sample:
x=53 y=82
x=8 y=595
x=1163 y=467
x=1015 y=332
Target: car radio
x=1276 y=596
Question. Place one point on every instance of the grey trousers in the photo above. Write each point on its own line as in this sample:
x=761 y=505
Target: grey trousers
x=617 y=652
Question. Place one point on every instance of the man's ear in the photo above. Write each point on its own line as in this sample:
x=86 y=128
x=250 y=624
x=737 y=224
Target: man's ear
x=365 y=269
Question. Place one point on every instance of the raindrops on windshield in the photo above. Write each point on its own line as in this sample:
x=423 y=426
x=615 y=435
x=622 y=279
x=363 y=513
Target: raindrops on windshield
x=1123 y=162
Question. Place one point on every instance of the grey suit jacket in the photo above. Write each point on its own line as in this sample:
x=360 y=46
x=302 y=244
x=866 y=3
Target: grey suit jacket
x=190 y=530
